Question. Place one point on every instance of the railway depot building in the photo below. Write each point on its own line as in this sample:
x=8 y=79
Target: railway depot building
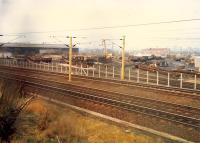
x=33 y=49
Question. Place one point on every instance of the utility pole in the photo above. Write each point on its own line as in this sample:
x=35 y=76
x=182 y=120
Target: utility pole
x=105 y=48
x=123 y=57
x=70 y=56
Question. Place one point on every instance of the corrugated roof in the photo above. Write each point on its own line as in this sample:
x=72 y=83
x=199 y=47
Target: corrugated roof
x=30 y=45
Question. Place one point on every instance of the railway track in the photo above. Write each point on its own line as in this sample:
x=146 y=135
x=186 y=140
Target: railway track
x=185 y=115
x=192 y=94
x=182 y=92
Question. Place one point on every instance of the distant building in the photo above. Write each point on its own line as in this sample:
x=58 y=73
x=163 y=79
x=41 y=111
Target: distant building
x=197 y=63
x=5 y=54
x=160 y=52
x=29 y=49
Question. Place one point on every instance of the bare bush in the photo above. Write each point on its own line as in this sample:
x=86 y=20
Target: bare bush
x=14 y=121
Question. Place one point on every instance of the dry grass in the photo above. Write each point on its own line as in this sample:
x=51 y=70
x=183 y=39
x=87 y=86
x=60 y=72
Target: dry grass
x=72 y=127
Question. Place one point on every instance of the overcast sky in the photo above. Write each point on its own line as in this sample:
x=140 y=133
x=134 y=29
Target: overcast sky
x=18 y=16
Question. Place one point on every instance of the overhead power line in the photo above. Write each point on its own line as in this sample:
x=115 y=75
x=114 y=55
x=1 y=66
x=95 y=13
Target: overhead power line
x=113 y=27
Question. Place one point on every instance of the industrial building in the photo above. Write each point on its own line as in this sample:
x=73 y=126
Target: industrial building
x=32 y=49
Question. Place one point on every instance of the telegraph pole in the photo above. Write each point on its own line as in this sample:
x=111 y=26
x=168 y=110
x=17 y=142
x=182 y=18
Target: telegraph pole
x=70 y=58
x=105 y=48
x=123 y=57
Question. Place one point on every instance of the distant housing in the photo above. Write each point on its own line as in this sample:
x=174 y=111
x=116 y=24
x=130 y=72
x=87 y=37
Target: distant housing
x=159 y=52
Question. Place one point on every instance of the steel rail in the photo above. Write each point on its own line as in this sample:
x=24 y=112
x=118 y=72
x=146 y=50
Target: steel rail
x=193 y=122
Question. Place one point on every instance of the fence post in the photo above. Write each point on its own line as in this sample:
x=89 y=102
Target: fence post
x=129 y=74
x=87 y=70
x=113 y=72
x=181 y=81
x=157 y=79
x=76 y=69
x=138 y=75
x=81 y=69
x=93 y=71
x=61 y=68
x=168 y=79
x=106 y=71
x=57 y=68
x=23 y=64
x=195 y=81
x=147 y=77
x=99 y=71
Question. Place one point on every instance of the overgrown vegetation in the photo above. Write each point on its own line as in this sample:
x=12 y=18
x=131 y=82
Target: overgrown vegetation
x=73 y=127
x=14 y=121
x=24 y=120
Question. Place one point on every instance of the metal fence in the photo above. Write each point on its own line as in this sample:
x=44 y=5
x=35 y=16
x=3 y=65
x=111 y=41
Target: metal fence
x=179 y=80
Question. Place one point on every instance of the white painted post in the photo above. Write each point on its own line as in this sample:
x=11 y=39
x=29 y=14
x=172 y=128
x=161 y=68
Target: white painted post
x=57 y=67
x=38 y=66
x=106 y=71
x=129 y=74
x=157 y=79
x=113 y=72
x=195 y=81
x=87 y=70
x=147 y=77
x=99 y=71
x=181 y=81
x=93 y=71
x=76 y=69
x=138 y=75
x=168 y=79
x=81 y=69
